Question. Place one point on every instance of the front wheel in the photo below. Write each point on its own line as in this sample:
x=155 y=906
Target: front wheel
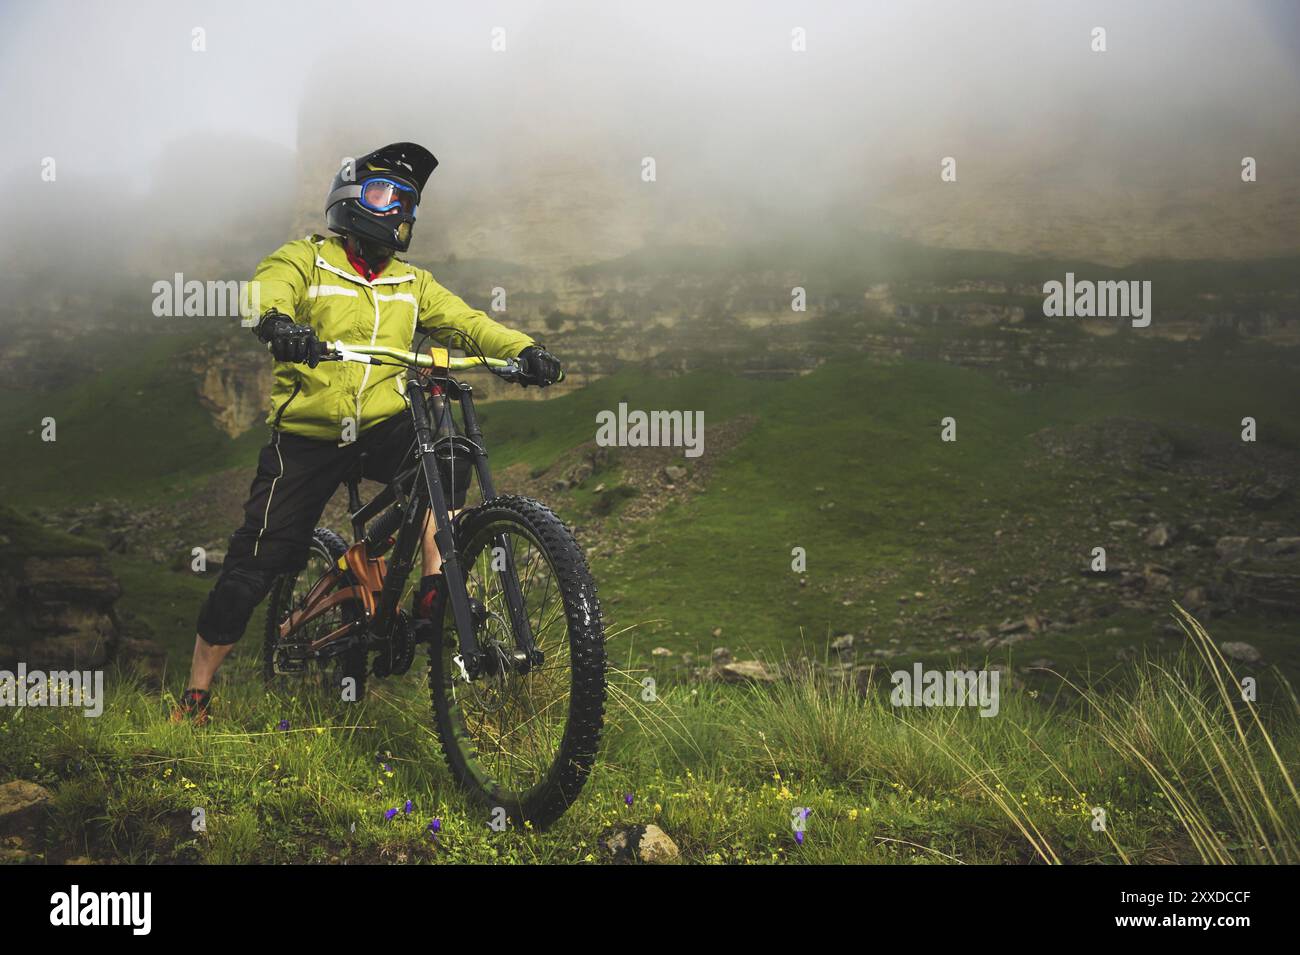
x=523 y=742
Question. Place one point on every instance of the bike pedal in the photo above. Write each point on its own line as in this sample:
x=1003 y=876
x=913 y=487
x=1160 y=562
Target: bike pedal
x=286 y=662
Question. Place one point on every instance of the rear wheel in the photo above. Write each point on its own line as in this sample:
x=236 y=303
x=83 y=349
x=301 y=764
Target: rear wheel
x=283 y=666
x=523 y=742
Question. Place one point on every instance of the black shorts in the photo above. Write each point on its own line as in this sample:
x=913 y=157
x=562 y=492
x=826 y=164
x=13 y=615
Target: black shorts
x=296 y=477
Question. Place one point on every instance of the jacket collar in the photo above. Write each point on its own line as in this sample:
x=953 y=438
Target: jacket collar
x=332 y=256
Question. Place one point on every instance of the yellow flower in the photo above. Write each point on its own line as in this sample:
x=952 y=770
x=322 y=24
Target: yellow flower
x=853 y=814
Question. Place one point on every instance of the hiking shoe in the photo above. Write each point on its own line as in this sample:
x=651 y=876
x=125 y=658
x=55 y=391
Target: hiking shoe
x=193 y=707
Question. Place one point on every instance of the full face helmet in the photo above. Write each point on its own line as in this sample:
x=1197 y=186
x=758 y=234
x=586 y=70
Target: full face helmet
x=375 y=198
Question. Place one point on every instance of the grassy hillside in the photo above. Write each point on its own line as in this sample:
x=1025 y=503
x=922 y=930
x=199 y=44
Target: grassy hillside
x=132 y=429
x=848 y=464
x=912 y=543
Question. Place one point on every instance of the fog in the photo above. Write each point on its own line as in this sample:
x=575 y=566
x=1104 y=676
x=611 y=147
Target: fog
x=161 y=150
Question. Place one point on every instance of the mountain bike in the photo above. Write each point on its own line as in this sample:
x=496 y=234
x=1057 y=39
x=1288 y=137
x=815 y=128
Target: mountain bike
x=516 y=641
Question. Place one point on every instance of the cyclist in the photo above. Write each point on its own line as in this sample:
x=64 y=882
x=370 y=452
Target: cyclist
x=351 y=288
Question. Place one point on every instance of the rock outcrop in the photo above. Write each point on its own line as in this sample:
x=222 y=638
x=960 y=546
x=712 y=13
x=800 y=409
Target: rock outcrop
x=57 y=596
x=232 y=384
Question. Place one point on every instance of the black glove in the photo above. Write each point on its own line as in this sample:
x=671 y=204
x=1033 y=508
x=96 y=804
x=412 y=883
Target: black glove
x=289 y=341
x=539 y=366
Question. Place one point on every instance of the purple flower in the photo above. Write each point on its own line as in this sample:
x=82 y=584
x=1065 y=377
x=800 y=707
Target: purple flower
x=284 y=725
x=435 y=827
x=408 y=807
x=798 y=836
x=628 y=799
x=389 y=814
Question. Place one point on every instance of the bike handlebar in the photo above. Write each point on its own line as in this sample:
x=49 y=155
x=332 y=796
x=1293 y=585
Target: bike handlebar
x=434 y=358
x=508 y=368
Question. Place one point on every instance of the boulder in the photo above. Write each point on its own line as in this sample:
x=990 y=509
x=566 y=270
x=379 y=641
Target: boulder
x=1240 y=651
x=648 y=844
x=1271 y=583
x=22 y=807
x=82 y=580
x=745 y=671
x=1160 y=536
x=1282 y=547
x=58 y=611
x=675 y=474
x=1156 y=577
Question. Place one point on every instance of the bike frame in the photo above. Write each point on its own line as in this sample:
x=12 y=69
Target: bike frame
x=399 y=513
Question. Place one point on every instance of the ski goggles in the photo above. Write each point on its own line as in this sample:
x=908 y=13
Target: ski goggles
x=382 y=195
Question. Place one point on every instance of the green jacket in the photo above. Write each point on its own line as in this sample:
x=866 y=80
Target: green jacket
x=312 y=281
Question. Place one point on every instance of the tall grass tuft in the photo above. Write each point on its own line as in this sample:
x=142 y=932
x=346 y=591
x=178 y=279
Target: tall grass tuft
x=1200 y=739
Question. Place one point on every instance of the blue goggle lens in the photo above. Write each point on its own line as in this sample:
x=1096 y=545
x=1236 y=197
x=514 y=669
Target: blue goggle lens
x=386 y=196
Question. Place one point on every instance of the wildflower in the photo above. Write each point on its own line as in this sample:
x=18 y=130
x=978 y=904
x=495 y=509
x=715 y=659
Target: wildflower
x=283 y=725
x=798 y=836
x=389 y=814
x=853 y=815
x=408 y=807
x=628 y=799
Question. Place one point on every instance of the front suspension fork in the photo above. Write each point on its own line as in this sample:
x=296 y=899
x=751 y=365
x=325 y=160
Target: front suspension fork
x=508 y=575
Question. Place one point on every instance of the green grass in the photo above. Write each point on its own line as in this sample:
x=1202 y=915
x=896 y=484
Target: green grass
x=1182 y=768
